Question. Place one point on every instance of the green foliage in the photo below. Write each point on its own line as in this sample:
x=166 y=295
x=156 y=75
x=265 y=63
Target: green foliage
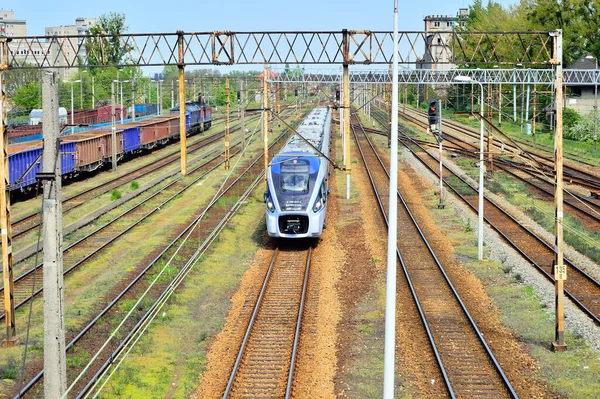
x=11 y=370
x=468 y=227
x=106 y=50
x=115 y=195
x=579 y=20
x=134 y=185
x=579 y=128
x=28 y=96
x=570 y=118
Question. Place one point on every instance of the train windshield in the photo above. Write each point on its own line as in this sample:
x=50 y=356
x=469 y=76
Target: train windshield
x=294 y=176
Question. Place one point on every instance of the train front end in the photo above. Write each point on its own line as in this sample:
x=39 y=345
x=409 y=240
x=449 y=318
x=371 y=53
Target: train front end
x=295 y=197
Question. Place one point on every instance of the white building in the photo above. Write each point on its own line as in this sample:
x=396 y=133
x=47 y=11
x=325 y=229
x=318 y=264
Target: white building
x=74 y=46
x=11 y=27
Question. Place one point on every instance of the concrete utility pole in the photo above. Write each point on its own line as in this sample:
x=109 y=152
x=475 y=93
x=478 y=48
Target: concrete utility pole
x=265 y=122
x=7 y=256
x=560 y=269
x=113 y=127
x=347 y=127
x=55 y=370
x=390 y=286
x=242 y=112
x=132 y=99
x=182 y=136
x=278 y=104
x=227 y=101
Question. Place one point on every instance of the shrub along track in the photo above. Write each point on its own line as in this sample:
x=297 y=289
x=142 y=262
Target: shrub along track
x=465 y=360
x=90 y=338
x=580 y=287
x=264 y=366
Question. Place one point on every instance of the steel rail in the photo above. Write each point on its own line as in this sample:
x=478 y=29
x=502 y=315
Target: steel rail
x=574 y=268
x=82 y=261
x=456 y=296
x=169 y=158
x=111 y=305
x=257 y=307
x=587 y=179
x=261 y=294
x=173 y=285
x=577 y=202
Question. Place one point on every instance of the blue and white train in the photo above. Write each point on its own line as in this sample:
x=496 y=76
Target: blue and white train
x=297 y=181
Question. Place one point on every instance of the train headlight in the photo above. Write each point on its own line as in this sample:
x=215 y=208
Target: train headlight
x=318 y=205
x=269 y=201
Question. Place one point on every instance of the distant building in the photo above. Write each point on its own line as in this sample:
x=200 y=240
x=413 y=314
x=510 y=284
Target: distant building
x=437 y=30
x=581 y=98
x=74 y=48
x=11 y=27
x=37 y=49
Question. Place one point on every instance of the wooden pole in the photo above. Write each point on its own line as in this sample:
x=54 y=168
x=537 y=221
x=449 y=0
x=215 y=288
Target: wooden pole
x=182 y=136
x=560 y=269
x=265 y=123
x=227 y=101
x=5 y=222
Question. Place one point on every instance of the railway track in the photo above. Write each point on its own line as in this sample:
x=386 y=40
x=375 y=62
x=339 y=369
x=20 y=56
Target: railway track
x=30 y=221
x=181 y=254
x=93 y=244
x=264 y=366
x=580 y=287
x=544 y=162
x=467 y=364
x=579 y=206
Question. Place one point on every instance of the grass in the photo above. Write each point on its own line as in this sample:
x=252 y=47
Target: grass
x=169 y=360
x=574 y=373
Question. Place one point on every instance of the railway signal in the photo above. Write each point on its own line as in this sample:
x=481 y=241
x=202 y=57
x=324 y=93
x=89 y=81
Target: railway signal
x=434 y=116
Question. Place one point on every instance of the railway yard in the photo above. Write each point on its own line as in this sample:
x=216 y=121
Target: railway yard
x=298 y=231
x=173 y=288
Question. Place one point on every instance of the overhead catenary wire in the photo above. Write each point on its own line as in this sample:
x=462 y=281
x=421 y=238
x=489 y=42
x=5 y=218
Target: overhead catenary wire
x=168 y=263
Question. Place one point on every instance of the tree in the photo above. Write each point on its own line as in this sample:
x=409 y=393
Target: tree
x=28 y=96
x=578 y=19
x=105 y=47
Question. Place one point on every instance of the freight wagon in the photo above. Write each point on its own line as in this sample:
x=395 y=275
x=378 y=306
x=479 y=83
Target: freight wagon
x=88 y=151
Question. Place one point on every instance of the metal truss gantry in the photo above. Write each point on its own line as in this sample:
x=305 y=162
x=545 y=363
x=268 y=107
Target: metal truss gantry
x=328 y=47
x=346 y=47
x=571 y=77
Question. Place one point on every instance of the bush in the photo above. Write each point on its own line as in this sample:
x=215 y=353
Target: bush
x=134 y=185
x=570 y=118
x=115 y=195
x=582 y=129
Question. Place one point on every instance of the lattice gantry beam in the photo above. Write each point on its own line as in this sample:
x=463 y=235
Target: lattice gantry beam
x=571 y=77
x=225 y=47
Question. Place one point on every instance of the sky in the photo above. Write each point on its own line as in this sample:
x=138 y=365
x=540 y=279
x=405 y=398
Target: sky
x=238 y=15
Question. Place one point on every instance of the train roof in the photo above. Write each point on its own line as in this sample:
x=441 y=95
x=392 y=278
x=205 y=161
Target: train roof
x=312 y=129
